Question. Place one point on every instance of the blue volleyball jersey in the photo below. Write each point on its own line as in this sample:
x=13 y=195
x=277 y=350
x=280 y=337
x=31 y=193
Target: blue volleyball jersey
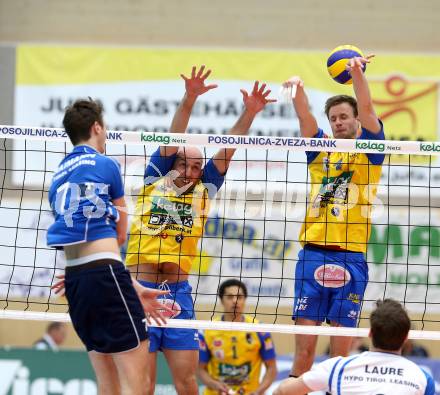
x=81 y=195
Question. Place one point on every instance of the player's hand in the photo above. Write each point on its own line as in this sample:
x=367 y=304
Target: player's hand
x=256 y=101
x=152 y=306
x=221 y=387
x=59 y=285
x=358 y=62
x=195 y=85
x=293 y=81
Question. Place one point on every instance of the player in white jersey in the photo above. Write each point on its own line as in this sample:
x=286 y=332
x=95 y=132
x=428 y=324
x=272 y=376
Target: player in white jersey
x=382 y=371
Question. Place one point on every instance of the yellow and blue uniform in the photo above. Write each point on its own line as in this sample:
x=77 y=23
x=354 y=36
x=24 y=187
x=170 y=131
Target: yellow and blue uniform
x=167 y=227
x=331 y=274
x=235 y=357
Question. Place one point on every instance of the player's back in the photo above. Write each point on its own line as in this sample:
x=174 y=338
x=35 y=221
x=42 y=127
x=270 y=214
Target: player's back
x=378 y=373
x=80 y=196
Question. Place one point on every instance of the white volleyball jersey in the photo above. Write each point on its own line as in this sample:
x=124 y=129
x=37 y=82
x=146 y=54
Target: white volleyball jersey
x=370 y=373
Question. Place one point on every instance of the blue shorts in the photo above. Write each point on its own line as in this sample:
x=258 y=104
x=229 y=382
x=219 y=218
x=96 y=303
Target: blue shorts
x=330 y=285
x=180 y=300
x=104 y=307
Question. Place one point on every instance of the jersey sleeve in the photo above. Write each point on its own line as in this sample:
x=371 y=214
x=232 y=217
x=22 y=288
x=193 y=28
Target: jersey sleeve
x=204 y=354
x=267 y=350
x=320 y=376
x=311 y=155
x=114 y=177
x=430 y=384
x=375 y=159
x=212 y=179
x=158 y=166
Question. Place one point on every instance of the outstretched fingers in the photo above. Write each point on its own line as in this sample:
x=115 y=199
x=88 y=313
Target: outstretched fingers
x=206 y=75
x=200 y=72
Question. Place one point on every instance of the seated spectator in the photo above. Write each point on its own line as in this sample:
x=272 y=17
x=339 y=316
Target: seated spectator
x=411 y=349
x=55 y=335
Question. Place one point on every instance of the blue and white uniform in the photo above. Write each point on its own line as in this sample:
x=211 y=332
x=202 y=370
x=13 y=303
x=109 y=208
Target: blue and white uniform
x=81 y=195
x=103 y=304
x=370 y=373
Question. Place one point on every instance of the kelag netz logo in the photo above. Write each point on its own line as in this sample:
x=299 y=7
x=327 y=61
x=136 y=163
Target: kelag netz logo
x=429 y=147
x=152 y=138
x=370 y=145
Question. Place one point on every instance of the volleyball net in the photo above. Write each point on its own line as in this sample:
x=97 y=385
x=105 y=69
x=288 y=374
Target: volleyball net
x=252 y=227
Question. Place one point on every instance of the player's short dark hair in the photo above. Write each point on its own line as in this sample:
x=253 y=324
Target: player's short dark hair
x=54 y=326
x=233 y=282
x=339 y=99
x=390 y=325
x=80 y=117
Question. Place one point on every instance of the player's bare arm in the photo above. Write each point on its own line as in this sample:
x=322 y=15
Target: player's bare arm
x=253 y=104
x=195 y=86
x=367 y=115
x=307 y=122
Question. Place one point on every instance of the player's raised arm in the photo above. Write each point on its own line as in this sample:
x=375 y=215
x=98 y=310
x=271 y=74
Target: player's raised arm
x=194 y=87
x=253 y=104
x=367 y=115
x=307 y=122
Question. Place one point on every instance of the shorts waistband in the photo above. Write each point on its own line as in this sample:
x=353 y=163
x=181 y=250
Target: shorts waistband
x=165 y=285
x=315 y=247
x=92 y=265
x=93 y=257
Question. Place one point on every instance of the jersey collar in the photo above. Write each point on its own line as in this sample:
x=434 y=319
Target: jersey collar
x=87 y=149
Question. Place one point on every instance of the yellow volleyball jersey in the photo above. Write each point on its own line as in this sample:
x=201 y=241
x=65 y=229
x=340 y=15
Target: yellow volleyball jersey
x=166 y=227
x=235 y=357
x=343 y=190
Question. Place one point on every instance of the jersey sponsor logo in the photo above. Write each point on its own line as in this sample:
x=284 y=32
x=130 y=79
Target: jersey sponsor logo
x=333 y=190
x=202 y=345
x=173 y=305
x=268 y=344
x=161 y=235
x=165 y=212
x=332 y=276
x=352 y=314
x=219 y=354
x=234 y=374
x=179 y=238
x=217 y=342
x=301 y=304
x=355 y=298
x=335 y=211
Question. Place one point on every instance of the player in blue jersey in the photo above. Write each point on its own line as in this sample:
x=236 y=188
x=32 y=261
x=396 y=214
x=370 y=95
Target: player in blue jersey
x=106 y=306
x=380 y=371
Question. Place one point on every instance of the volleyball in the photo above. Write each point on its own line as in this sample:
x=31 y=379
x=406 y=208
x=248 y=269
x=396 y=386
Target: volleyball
x=337 y=61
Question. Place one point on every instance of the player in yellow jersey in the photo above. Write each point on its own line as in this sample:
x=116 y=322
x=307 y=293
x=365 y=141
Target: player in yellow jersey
x=169 y=221
x=331 y=274
x=230 y=361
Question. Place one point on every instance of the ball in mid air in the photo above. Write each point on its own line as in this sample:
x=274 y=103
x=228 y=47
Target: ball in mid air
x=337 y=61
